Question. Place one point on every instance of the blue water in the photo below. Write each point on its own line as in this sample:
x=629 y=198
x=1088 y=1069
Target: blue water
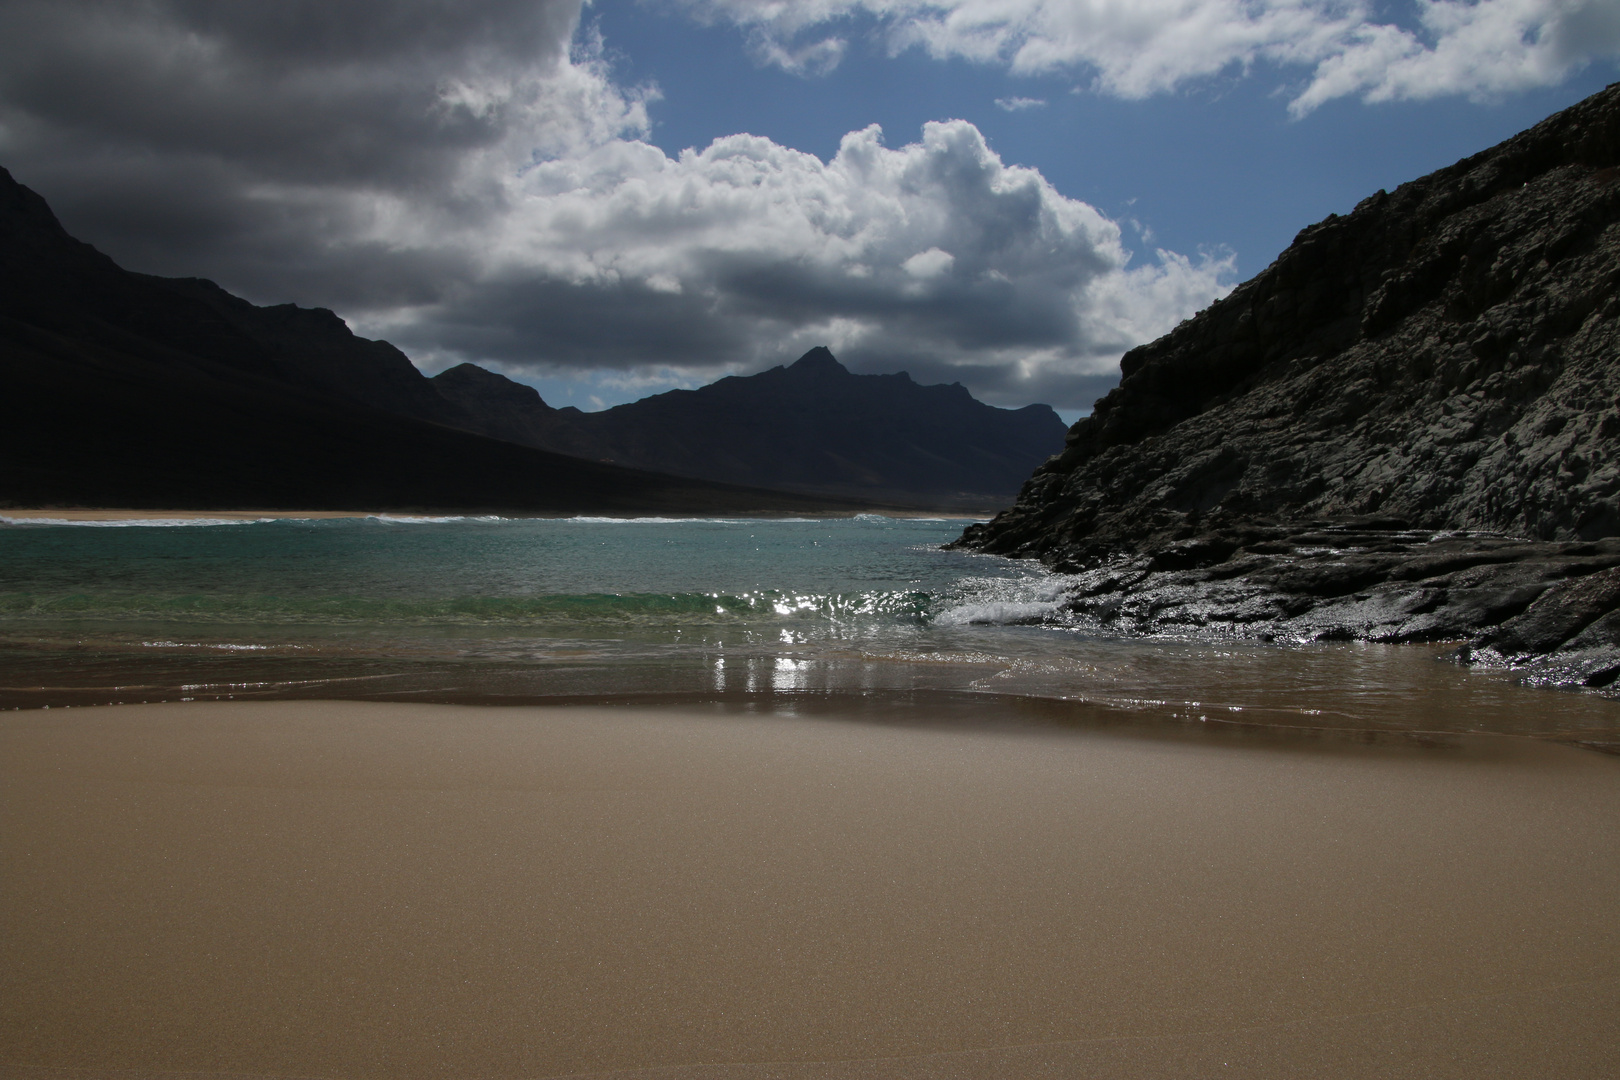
x=490 y=609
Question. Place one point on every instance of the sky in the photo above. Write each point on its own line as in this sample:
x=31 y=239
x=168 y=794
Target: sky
x=610 y=199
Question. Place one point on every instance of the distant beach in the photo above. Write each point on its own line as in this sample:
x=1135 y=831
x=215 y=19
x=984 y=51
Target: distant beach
x=46 y=514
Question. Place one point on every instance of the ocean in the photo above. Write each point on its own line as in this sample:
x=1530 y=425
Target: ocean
x=526 y=610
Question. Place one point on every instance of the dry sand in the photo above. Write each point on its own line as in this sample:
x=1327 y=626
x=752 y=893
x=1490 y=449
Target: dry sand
x=310 y=889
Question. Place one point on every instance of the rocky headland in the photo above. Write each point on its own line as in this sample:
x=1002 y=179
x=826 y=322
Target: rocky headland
x=1405 y=429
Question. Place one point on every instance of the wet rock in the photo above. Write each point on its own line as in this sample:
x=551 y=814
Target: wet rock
x=1557 y=617
x=1516 y=602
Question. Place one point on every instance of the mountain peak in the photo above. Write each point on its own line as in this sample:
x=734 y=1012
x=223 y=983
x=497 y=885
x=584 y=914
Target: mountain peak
x=466 y=383
x=818 y=361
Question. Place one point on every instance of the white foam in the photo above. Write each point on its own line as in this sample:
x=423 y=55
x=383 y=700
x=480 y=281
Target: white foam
x=997 y=613
x=225 y=646
x=422 y=519
x=584 y=519
x=1004 y=601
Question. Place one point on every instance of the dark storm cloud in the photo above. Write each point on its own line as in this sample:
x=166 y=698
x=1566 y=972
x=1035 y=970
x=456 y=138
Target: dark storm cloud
x=272 y=144
x=615 y=325
x=383 y=93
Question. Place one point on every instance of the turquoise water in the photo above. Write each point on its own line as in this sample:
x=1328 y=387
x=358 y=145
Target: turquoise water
x=402 y=578
x=490 y=609
x=558 y=606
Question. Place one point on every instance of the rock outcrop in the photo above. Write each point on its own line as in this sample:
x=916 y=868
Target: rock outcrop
x=1406 y=428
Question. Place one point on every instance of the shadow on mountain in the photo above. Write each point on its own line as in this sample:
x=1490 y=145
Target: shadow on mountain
x=126 y=390
x=811 y=427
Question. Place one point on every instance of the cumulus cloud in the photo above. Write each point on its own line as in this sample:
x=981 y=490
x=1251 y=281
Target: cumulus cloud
x=468 y=180
x=1135 y=48
x=935 y=256
x=1482 y=49
x=1018 y=104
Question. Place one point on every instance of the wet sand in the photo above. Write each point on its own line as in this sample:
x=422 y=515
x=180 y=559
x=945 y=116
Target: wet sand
x=349 y=890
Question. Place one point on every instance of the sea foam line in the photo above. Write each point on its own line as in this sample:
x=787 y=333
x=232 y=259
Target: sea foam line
x=583 y=519
x=423 y=519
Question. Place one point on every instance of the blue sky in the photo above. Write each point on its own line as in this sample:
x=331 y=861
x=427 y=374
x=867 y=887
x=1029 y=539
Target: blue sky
x=536 y=186
x=1219 y=163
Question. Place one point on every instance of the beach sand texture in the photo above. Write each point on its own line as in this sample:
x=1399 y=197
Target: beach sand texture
x=358 y=890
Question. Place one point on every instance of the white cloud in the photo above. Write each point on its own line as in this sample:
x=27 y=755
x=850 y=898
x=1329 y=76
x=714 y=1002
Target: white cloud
x=814 y=58
x=1135 y=48
x=928 y=264
x=1018 y=104
x=1482 y=50
x=935 y=256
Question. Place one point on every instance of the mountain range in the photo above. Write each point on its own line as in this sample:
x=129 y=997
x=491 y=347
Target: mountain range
x=811 y=427
x=124 y=389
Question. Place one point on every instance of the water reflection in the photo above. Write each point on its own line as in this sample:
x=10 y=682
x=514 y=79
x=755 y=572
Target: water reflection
x=1337 y=686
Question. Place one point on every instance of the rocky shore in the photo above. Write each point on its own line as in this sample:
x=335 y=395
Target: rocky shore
x=1404 y=429
x=1551 y=609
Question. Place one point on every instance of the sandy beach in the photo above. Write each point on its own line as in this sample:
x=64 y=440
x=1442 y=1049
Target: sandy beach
x=358 y=890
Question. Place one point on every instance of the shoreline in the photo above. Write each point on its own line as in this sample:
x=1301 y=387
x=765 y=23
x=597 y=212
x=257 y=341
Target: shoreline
x=353 y=889
x=1546 y=609
x=1337 y=691
x=92 y=514
x=121 y=514
x=964 y=710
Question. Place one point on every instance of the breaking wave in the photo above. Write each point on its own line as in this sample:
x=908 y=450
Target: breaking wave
x=1003 y=602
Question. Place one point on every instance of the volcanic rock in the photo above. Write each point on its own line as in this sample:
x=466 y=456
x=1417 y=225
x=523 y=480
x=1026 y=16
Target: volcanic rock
x=1404 y=429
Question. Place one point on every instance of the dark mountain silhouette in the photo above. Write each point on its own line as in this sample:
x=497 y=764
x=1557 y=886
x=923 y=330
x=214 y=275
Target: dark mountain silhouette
x=121 y=389
x=504 y=409
x=128 y=389
x=1406 y=428
x=812 y=427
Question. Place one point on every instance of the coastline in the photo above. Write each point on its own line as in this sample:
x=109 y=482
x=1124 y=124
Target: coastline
x=123 y=514
x=348 y=889
x=94 y=514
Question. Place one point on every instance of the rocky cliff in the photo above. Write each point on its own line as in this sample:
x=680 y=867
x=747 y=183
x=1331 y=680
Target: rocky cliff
x=1346 y=446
